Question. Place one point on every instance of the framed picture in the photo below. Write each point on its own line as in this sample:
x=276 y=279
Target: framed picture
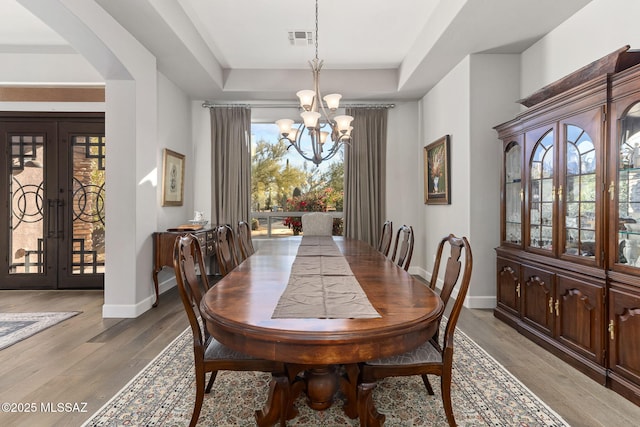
x=437 y=173
x=172 y=178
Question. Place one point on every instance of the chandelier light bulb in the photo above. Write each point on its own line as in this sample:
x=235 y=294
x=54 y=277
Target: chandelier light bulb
x=323 y=136
x=332 y=100
x=343 y=122
x=306 y=98
x=285 y=126
x=310 y=119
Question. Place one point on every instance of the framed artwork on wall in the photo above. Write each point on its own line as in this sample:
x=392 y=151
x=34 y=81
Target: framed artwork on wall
x=172 y=178
x=437 y=174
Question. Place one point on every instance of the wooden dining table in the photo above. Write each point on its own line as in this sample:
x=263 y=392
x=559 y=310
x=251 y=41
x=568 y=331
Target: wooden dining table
x=321 y=354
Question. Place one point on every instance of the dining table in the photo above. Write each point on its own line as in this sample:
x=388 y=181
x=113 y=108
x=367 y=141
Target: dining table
x=321 y=305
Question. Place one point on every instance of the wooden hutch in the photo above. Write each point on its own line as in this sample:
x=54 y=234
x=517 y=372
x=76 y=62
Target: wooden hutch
x=568 y=264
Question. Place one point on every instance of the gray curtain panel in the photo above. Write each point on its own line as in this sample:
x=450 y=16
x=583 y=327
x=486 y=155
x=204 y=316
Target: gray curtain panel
x=230 y=164
x=365 y=174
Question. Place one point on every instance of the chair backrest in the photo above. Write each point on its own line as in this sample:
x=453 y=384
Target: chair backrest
x=187 y=255
x=317 y=224
x=453 y=267
x=403 y=248
x=226 y=249
x=244 y=240
x=384 y=244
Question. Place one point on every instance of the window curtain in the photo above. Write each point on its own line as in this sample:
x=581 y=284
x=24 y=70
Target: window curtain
x=365 y=174
x=230 y=165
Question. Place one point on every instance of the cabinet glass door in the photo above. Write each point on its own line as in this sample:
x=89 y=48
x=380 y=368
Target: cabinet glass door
x=542 y=193
x=579 y=193
x=513 y=193
x=629 y=189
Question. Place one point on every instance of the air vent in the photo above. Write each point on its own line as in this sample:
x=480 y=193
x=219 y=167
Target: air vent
x=301 y=38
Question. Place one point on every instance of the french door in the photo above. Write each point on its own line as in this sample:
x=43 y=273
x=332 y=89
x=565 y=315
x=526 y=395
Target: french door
x=52 y=182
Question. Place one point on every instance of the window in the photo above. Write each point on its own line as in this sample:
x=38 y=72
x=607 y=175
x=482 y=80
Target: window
x=282 y=181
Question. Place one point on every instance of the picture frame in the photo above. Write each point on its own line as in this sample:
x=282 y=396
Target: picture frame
x=172 y=178
x=437 y=172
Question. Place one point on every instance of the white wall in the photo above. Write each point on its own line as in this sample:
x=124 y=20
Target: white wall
x=445 y=111
x=494 y=86
x=476 y=95
x=404 y=176
x=174 y=133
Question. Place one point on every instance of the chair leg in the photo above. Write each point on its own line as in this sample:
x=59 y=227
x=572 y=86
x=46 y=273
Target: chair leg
x=349 y=387
x=211 y=380
x=369 y=416
x=197 y=406
x=427 y=384
x=445 y=382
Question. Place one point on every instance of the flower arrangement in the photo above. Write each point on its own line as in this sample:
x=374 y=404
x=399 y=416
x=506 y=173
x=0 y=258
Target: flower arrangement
x=318 y=201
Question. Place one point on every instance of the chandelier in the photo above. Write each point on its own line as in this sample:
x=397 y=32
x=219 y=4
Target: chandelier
x=321 y=130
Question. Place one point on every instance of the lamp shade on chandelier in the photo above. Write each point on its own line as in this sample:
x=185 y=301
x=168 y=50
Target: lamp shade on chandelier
x=321 y=133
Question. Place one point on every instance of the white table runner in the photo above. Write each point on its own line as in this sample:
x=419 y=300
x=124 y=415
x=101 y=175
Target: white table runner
x=322 y=285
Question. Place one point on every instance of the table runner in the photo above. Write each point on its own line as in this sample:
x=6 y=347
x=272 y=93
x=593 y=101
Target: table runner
x=322 y=285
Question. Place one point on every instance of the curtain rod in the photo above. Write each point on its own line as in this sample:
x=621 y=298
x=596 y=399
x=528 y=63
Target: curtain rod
x=207 y=104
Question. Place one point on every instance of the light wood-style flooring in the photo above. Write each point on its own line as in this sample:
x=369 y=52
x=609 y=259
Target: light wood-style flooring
x=87 y=359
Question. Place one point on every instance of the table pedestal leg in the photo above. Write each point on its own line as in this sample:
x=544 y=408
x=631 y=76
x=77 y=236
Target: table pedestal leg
x=322 y=384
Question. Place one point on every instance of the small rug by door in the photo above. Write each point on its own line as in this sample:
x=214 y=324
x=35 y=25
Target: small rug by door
x=15 y=327
x=483 y=394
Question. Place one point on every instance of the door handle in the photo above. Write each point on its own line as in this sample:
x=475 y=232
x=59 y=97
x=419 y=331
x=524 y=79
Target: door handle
x=52 y=220
x=60 y=218
x=55 y=221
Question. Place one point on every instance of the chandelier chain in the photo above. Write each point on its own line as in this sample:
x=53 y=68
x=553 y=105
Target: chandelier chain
x=316 y=29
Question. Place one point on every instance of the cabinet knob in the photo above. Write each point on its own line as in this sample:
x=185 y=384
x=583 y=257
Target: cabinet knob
x=557 y=308
x=551 y=305
x=560 y=193
x=518 y=289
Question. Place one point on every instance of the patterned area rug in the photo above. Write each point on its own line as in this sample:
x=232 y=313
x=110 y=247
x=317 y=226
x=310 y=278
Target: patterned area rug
x=484 y=394
x=15 y=327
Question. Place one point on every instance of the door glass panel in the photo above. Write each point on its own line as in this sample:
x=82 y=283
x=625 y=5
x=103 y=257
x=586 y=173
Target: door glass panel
x=88 y=204
x=629 y=189
x=26 y=193
x=542 y=194
x=513 y=193
x=579 y=193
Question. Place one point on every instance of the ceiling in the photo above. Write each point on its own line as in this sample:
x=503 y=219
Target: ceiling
x=239 y=50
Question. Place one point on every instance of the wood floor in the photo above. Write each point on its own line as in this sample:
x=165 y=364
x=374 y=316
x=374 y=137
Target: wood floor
x=87 y=359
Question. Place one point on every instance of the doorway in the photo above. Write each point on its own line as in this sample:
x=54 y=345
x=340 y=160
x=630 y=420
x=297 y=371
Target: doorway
x=53 y=183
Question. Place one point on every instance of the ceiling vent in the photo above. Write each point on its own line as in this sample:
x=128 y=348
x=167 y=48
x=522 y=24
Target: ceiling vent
x=301 y=38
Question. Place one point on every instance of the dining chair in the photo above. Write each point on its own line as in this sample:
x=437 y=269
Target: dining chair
x=403 y=248
x=244 y=240
x=226 y=250
x=384 y=244
x=317 y=224
x=434 y=357
x=209 y=354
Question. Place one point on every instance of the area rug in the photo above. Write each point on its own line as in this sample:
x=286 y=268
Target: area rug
x=483 y=394
x=15 y=327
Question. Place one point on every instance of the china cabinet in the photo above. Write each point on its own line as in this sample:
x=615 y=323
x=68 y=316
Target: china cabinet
x=568 y=264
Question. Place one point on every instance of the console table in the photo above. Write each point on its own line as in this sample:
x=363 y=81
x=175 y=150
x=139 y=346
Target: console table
x=163 y=249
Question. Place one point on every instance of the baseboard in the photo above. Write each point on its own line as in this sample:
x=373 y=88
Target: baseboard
x=128 y=311
x=478 y=302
